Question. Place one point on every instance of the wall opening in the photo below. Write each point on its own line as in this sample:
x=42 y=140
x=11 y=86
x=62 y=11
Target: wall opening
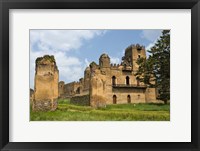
x=113 y=80
x=127 y=80
x=114 y=99
x=138 y=82
x=129 y=99
x=78 y=91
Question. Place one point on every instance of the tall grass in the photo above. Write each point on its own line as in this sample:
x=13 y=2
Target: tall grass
x=117 y=112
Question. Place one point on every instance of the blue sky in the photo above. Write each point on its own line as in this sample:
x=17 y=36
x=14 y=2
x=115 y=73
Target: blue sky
x=75 y=49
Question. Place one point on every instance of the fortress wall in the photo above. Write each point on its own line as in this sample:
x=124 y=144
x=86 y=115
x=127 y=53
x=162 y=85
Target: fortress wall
x=136 y=95
x=81 y=100
x=97 y=81
x=101 y=87
x=151 y=95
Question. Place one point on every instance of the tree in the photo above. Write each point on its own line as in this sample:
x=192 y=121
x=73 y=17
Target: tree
x=155 y=70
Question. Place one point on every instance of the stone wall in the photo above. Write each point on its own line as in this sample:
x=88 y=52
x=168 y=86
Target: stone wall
x=46 y=84
x=151 y=95
x=80 y=100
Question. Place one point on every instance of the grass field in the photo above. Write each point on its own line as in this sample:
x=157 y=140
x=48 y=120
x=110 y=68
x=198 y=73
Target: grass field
x=115 y=112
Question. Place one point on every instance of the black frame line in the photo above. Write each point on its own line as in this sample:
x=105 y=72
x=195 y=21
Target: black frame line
x=5 y=5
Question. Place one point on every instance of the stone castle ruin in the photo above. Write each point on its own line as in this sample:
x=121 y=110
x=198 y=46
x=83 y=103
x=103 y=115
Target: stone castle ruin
x=107 y=83
x=46 y=84
x=102 y=84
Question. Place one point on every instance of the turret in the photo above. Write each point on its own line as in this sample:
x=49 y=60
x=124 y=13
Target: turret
x=132 y=53
x=104 y=61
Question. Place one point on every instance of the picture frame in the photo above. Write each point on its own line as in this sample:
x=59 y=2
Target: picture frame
x=6 y=5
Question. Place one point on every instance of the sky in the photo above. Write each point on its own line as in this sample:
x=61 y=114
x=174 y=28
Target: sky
x=74 y=50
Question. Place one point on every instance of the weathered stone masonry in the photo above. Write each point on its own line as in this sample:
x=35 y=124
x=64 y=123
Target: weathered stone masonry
x=108 y=83
x=102 y=84
x=46 y=84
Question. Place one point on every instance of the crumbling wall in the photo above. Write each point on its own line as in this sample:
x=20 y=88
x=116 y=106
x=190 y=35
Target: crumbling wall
x=81 y=100
x=46 y=84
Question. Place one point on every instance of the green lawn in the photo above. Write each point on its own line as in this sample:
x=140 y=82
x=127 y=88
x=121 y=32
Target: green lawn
x=115 y=112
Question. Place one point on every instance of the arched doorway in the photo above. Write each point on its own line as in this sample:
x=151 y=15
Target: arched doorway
x=78 y=90
x=127 y=80
x=113 y=80
x=129 y=99
x=114 y=99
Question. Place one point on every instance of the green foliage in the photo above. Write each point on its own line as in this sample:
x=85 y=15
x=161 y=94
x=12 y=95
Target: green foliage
x=140 y=107
x=155 y=71
x=64 y=101
x=145 y=72
x=117 y=112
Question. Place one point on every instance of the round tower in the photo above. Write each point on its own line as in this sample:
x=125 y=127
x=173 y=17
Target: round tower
x=104 y=61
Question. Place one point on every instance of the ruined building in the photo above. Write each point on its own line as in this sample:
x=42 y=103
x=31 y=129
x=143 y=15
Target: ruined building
x=46 y=84
x=111 y=83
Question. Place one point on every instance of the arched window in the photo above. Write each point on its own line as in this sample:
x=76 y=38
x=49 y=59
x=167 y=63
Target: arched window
x=113 y=80
x=114 y=99
x=127 y=80
x=78 y=90
x=138 y=82
x=129 y=99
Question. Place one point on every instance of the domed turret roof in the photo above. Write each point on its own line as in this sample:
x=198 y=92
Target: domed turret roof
x=104 y=55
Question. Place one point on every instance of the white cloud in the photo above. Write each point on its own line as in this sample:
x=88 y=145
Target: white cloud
x=148 y=47
x=59 y=43
x=115 y=60
x=87 y=63
x=151 y=35
x=61 y=40
x=70 y=68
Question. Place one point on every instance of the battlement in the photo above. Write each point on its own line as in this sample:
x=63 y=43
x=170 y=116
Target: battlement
x=135 y=46
x=114 y=65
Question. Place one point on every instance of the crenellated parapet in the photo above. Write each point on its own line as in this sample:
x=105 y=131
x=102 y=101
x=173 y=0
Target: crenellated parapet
x=114 y=66
x=135 y=46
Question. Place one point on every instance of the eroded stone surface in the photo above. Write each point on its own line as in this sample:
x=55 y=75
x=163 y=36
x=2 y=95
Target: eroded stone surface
x=113 y=83
x=46 y=84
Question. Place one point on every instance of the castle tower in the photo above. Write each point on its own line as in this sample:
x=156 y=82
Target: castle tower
x=132 y=53
x=86 y=78
x=104 y=61
x=46 y=84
